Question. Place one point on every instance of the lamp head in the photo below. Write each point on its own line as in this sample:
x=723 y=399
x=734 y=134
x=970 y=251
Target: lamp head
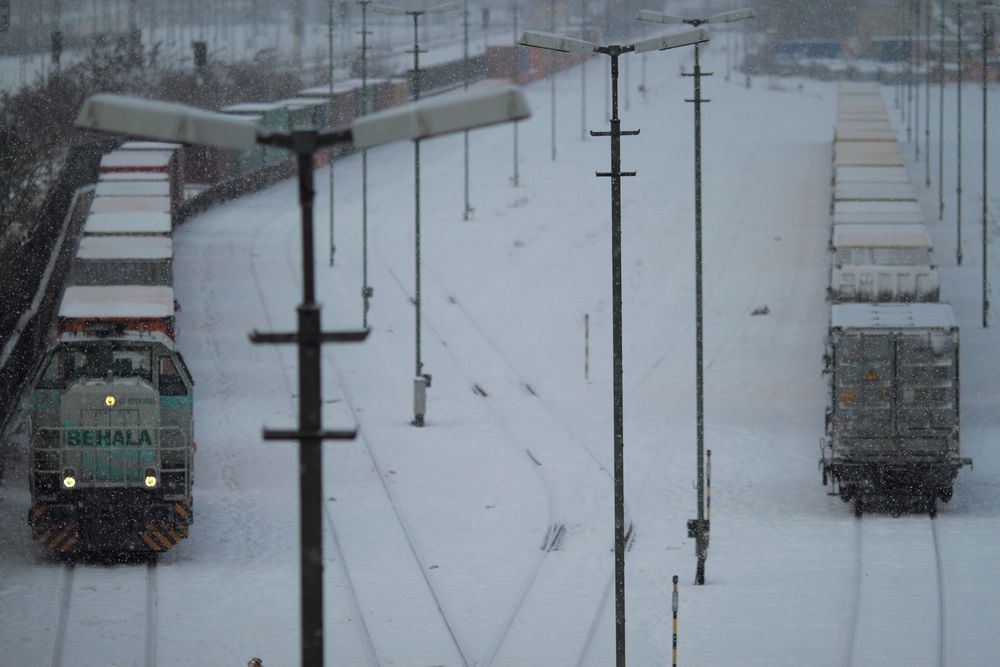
x=554 y=42
x=686 y=38
x=165 y=121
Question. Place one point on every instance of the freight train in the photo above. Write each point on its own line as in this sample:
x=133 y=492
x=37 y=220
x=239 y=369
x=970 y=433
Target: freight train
x=111 y=417
x=111 y=428
x=892 y=351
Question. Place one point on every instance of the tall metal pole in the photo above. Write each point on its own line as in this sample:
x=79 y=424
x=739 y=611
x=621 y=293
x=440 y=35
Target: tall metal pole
x=366 y=291
x=916 y=82
x=909 y=71
x=619 y=413
x=552 y=76
x=899 y=62
x=699 y=528
x=333 y=247
x=310 y=433
x=941 y=116
x=310 y=454
x=465 y=81
x=986 y=298
x=616 y=175
x=418 y=419
x=514 y=70
x=927 y=96
x=583 y=76
x=958 y=172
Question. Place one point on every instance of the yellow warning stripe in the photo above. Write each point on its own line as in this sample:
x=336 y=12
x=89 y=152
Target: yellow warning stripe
x=53 y=544
x=149 y=541
x=183 y=512
x=170 y=531
x=48 y=533
x=69 y=543
x=37 y=513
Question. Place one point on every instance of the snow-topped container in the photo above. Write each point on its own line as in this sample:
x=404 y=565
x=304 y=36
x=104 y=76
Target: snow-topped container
x=123 y=188
x=874 y=190
x=870 y=174
x=892 y=423
x=123 y=260
x=131 y=205
x=877 y=213
x=113 y=309
x=867 y=154
x=144 y=176
x=142 y=223
x=882 y=263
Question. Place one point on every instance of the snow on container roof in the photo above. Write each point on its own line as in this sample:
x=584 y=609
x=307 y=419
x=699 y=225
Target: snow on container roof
x=148 y=146
x=137 y=161
x=125 y=247
x=853 y=134
x=338 y=87
x=116 y=176
x=858 y=88
x=875 y=191
x=302 y=102
x=892 y=316
x=253 y=107
x=132 y=189
x=130 y=205
x=877 y=207
x=869 y=218
x=871 y=174
x=881 y=236
x=117 y=302
x=127 y=223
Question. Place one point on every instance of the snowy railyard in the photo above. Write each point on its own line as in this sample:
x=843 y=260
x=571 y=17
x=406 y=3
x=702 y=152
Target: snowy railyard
x=485 y=538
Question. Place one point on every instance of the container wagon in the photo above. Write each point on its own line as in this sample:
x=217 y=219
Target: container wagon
x=893 y=419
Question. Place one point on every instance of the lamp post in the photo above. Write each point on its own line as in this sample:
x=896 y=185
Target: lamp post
x=988 y=11
x=556 y=42
x=698 y=528
x=927 y=95
x=421 y=380
x=513 y=75
x=958 y=143
x=366 y=290
x=182 y=124
x=467 y=211
x=333 y=247
x=941 y=115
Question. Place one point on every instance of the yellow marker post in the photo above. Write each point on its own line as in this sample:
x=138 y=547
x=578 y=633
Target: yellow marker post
x=674 y=660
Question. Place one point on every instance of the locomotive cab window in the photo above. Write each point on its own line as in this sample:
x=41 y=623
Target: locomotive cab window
x=53 y=377
x=171 y=378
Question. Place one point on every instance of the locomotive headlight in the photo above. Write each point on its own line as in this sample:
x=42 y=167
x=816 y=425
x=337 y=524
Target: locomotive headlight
x=109 y=401
x=69 y=478
x=150 y=478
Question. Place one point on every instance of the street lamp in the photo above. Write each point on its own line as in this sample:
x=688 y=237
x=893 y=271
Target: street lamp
x=183 y=124
x=565 y=44
x=988 y=10
x=700 y=527
x=366 y=291
x=421 y=380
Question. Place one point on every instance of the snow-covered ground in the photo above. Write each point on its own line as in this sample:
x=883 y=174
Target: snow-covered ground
x=434 y=542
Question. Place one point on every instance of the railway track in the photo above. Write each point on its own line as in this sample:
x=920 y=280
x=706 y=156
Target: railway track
x=898 y=592
x=103 y=606
x=538 y=425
